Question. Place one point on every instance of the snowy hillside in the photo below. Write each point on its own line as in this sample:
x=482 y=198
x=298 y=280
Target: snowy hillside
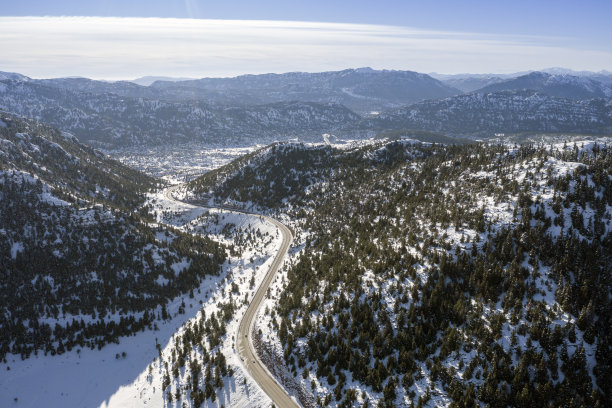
x=362 y=90
x=485 y=114
x=192 y=344
x=81 y=268
x=109 y=120
x=437 y=275
x=560 y=85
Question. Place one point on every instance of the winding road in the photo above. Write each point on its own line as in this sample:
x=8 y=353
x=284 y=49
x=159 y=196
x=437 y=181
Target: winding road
x=244 y=339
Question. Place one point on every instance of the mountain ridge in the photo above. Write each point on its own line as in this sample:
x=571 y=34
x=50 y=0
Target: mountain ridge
x=109 y=120
x=559 y=85
x=484 y=114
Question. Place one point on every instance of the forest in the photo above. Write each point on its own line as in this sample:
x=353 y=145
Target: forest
x=81 y=263
x=436 y=273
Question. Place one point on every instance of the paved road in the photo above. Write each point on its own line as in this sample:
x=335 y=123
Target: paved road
x=244 y=341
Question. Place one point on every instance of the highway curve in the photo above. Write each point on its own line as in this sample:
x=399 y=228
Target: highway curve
x=244 y=340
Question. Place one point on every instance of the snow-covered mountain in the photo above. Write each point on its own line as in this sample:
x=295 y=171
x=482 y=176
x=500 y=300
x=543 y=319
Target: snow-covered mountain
x=484 y=114
x=560 y=85
x=472 y=82
x=110 y=120
x=603 y=76
x=362 y=90
x=121 y=88
x=469 y=82
x=13 y=75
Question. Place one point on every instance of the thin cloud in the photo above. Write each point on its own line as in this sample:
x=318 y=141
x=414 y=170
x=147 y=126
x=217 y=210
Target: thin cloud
x=120 y=48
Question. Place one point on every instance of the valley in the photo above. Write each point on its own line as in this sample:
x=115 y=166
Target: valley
x=269 y=240
x=131 y=372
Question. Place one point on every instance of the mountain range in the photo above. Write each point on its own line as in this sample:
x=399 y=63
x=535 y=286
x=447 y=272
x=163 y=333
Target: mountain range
x=487 y=113
x=109 y=120
x=352 y=102
x=563 y=85
x=362 y=90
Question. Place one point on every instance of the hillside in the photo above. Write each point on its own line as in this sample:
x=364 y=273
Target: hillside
x=469 y=82
x=438 y=275
x=559 y=85
x=362 y=90
x=109 y=120
x=277 y=107
x=484 y=114
x=81 y=264
x=58 y=159
x=125 y=89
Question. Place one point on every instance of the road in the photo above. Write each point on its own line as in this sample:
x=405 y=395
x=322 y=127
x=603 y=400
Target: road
x=244 y=340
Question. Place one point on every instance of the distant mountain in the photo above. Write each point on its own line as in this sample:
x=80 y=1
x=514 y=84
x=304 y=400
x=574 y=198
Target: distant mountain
x=565 y=71
x=473 y=82
x=469 y=83
x=483 y=114
x=120 y=88
x=602 y=76
x=148 y=80
x=80 y=263
x=362 y=90
x=563 y=85
x=110 y=120
x=13 y=75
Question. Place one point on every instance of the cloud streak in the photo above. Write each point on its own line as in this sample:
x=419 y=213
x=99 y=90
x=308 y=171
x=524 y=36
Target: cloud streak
x=120 y=48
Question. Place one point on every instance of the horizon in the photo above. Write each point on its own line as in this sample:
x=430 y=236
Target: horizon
x=432 y=74
x=125 y=48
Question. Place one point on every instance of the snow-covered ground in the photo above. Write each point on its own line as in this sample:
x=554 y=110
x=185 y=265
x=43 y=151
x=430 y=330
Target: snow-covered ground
x=500 y=211
x=107 y=377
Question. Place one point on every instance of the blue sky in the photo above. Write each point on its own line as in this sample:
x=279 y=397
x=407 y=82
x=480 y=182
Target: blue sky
x=457 y=36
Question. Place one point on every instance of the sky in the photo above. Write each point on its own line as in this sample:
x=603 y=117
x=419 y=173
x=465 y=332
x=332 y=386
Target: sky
x=111 y=39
